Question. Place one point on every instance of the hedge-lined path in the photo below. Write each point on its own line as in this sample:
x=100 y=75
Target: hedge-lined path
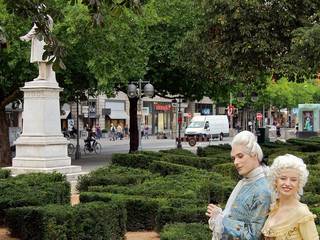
x=4 y=233
x=130 y=235
x=142 y=236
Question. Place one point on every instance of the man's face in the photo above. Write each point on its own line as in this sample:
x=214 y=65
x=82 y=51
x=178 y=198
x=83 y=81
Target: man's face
x=243 y=161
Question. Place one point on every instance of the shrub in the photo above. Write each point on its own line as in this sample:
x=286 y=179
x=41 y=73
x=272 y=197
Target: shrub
x=214 y=150
x=4 y=173
x=167 y=215
x=227 y=170
x=33 y=190
x=96 y=220
x=311 y=199
x=197 y=162
x=141 y=211
x=136 y=160
x=183 y=231
x=113 y=175
x=167 y=168
x=178 y=151
x=316 y=211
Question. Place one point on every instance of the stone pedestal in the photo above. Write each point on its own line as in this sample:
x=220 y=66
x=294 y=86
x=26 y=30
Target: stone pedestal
x=41 y=146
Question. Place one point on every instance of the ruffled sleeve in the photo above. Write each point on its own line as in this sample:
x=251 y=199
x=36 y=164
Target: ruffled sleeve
x=307 y=228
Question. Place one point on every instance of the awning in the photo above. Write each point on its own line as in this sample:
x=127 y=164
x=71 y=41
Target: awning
x=65 y=115
x=118 y=114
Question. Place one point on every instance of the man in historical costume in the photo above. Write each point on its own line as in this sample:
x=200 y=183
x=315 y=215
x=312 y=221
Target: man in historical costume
x=248 y=204
x=37 y=48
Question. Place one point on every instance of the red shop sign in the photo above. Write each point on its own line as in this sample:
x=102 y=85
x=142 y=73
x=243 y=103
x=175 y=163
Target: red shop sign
x=160 y=107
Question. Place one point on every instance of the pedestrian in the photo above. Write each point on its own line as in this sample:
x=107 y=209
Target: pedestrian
x=98 y=131
x=112 y=132
x=248 y=204
x=146 y=132
x=119 y=132
x=288 y=217
x=126 y=130
x=278 y=129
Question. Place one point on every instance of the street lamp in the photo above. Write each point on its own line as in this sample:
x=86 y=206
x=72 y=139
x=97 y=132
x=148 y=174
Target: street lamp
x=243 y=97
x=179 y=120
x=135 y=90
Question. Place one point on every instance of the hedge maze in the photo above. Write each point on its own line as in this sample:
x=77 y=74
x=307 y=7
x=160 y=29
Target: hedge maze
x=166 y=191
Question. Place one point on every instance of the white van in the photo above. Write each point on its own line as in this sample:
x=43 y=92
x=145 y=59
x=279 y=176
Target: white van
x=215 y=126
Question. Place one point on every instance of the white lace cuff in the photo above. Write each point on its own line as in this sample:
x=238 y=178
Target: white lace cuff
x=216 y=226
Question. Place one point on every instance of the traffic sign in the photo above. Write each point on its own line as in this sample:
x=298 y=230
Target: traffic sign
x=230 y=109
x=259 y=116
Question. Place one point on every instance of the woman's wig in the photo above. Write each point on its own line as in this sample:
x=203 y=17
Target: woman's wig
x=288 y=161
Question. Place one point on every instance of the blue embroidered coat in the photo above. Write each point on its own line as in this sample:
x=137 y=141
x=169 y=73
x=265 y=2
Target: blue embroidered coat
x=248 y=212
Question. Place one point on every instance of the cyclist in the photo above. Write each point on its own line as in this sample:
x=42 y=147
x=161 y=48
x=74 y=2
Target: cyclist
x=89 y=141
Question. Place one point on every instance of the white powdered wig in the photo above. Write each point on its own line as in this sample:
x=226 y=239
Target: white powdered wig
x=248 y=141
x=288 y=161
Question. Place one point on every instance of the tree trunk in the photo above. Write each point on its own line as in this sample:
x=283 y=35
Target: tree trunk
x=5 y=153
x=134 y=134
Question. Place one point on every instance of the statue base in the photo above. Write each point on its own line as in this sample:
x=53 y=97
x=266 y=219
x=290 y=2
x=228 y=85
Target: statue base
x=41 y=146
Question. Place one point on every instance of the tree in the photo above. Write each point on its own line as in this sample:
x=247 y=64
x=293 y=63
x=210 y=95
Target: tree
x=75 y=29
x=242 y=40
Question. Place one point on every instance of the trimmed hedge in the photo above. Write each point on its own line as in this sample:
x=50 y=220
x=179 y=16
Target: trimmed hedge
x=4 y=173
x=167 y=168
x=183 y=231
x=198 y=162
x=227 y=170
x=141 y=211
x=167 y=215
x=214 y=150
x=96 y=220
x=136 y=160
x=310 y=199
x=113 y=175
x=34 y=189
x=177 y=151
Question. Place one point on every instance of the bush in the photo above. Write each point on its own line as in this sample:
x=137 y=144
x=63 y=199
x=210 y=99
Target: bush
x=141 y=211
x=316 y=211
x=311 y=199
x=215 y=150
x=113 y=175
x=167 y=168
x=183 y=231
x=96 y=220
x=177 y=151
x=167 y=215
x=135 y=160
x=227 y=170
x=197 y=162
x=4 y=173
x=33 y=190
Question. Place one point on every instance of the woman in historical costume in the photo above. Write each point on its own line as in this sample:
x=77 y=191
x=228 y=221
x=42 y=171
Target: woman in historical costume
x=288 y=217
x=249 y=202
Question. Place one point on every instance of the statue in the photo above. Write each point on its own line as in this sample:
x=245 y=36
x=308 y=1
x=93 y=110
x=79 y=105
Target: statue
x=37 y=48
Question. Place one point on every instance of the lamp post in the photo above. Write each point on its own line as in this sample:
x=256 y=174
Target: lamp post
x=179 y=123
x=253 y=98
x=78 y=152
x=179 y=120
x=135 y=90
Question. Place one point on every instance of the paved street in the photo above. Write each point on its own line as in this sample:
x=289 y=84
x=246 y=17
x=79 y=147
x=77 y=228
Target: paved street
x=92 y=161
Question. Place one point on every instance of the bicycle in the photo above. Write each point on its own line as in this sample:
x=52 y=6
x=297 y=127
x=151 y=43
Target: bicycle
x=95 y=147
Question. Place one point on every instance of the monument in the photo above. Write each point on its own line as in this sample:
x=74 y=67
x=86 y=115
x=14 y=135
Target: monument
x=41 y=146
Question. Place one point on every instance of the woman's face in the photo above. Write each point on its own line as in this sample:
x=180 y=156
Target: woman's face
x=287 y=182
